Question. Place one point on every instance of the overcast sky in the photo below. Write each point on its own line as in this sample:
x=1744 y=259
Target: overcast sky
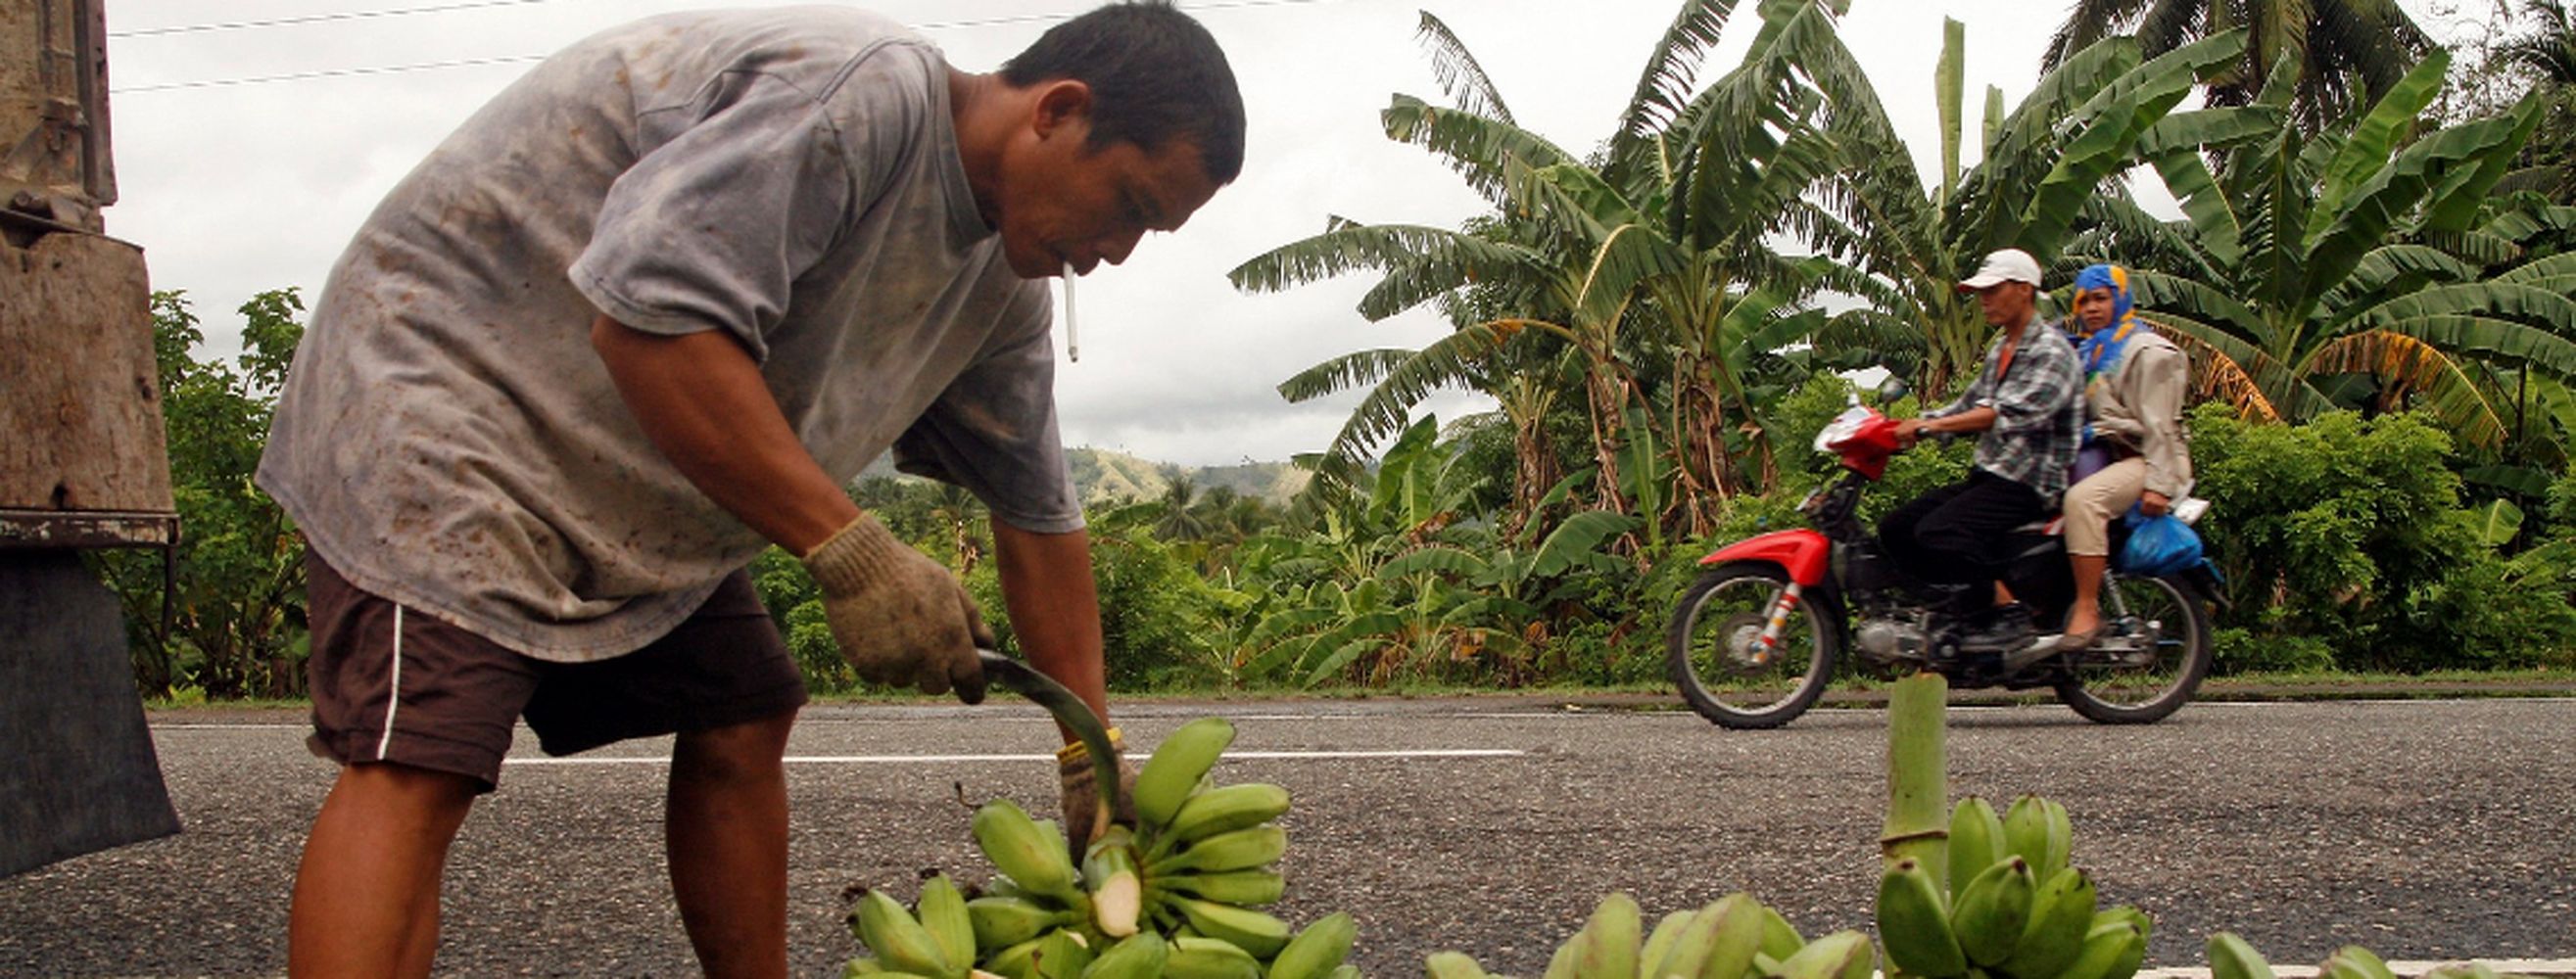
x=234 y=189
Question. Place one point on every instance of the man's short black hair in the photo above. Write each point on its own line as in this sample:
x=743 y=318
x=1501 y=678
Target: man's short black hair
x=1154 y=73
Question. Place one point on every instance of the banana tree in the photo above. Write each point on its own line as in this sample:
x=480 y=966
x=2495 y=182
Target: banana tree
x=2045 y=164
x=2359 y=267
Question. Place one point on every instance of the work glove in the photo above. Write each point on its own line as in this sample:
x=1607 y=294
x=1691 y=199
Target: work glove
x=899 y=616
x=1082 y=794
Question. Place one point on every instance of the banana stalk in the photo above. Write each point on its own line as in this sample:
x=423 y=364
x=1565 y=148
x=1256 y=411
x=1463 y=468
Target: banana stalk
x=1918 y=770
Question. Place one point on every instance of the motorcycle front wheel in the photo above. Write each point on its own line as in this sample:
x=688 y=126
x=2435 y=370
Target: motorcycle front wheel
x=1714 y=652
x=2144 y=685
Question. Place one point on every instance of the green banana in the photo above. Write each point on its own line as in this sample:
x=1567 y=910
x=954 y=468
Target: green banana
x=1718 y=943
x=1841 y=955
x=1976 y=842
x=1025 y=850
x=862 y=966
x=1242 y=849
x=1317 y=950
x=1990 y=915
x=1194 y=957
x=1117 y=893
x=1914 y=926
x=1561 y=964
x=1610 y=947
x=2031 y=834
x=900 y=943
x=2230 y=957
x=2112 y=950
x=1779 y=938
x=1344 y=971
x=1176 y=768
x=1452 y=965
x=1253 y=931
x=1063 y=954
x=2354 y=962
x=2061 y=915
x=2061 y=836
x=1223 y=809
x=942 y=910
x=1018 y=960
x=1000 y=922
x=1659 y=942
x=2128 y=913
x=1139 y=956
x=1245 y=887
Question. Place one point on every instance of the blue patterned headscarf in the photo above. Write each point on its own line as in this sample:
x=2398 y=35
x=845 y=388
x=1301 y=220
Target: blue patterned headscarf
x=2101 y=351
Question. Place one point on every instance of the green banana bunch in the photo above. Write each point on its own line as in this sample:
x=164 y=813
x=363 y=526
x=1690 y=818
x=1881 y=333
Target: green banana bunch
x=1914 y=925
x=1991 y=914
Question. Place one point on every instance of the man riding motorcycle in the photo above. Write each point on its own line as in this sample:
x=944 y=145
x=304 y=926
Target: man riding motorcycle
x=2025 y=410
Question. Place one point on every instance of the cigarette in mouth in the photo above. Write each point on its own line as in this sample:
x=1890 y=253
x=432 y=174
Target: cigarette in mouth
x=1072 y=344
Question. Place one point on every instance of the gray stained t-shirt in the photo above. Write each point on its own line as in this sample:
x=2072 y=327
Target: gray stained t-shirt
x=449 y=440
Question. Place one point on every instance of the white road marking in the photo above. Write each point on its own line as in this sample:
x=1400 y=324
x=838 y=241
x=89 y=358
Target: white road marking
x=954 y=759
x=2526 y=967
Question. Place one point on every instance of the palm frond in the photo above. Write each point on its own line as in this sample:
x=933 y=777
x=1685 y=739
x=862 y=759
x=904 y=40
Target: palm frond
x=1458 y=72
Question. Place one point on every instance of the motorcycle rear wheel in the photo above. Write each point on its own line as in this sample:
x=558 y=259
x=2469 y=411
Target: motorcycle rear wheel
x=2146 y=692
x=1713 y=656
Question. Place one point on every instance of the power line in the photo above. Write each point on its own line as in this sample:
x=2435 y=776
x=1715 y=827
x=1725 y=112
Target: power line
x=525 y=58
x=330 y=73
x=233 y=25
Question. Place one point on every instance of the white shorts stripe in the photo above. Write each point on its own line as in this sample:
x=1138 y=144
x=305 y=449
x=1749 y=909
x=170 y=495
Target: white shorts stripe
x=393 y=701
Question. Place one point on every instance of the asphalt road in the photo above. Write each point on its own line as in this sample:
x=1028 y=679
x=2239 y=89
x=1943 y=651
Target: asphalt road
x=2424 y=830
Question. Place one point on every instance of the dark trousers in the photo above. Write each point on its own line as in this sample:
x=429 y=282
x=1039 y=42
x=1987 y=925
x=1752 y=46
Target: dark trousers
x=1955 y=535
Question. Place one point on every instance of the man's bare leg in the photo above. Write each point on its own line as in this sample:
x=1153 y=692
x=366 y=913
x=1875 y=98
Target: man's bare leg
x=725 y=830
x=366 y=894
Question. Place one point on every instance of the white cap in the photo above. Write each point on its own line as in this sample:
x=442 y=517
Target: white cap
x=2008 y=265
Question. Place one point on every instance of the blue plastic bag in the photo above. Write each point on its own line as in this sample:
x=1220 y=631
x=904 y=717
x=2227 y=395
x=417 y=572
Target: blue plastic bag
x=2158 y=546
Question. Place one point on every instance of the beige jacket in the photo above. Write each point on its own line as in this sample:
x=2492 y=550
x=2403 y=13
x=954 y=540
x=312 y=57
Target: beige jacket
x=2138 y=405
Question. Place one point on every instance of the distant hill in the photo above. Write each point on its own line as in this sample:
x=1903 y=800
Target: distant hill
x=1101 y=475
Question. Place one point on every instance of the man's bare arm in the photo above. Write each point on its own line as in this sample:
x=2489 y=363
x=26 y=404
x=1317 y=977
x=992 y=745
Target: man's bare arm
x=1055 y=607
x=700 y=398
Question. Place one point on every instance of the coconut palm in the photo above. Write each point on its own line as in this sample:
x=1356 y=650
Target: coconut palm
x=2349 y=53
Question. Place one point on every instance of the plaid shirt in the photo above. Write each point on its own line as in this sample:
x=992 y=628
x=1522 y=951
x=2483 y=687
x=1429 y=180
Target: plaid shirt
x=2039 y=412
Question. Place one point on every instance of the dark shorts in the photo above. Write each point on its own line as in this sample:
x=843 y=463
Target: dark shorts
x=391 y=684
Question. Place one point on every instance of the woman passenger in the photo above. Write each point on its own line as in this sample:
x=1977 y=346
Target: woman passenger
x=2133 y=396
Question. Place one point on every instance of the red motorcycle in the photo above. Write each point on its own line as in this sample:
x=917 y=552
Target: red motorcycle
x=1757 y=638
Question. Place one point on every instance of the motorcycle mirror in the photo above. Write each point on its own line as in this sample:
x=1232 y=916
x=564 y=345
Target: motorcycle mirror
x=1892 y=390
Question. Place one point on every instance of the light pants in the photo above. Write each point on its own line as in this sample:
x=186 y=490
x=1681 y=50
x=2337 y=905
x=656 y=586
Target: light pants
x=2101 y=498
